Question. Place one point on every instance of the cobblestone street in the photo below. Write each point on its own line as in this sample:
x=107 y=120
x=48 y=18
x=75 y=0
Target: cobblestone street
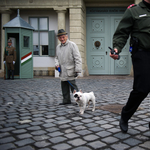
x=32 y=119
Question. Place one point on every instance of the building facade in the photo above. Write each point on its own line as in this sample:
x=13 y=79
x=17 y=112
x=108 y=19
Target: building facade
x=89 y=23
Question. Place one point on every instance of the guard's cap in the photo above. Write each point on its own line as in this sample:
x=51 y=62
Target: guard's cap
x=9 y=41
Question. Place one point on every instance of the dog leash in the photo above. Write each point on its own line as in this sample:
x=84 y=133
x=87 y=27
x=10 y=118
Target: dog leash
x=59 y=70
x=72 y=86
x=76 y=75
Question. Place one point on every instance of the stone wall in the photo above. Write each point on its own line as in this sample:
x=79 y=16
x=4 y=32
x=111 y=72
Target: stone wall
x=0 y=42
x=41 y=4
x=78 y=33
x=44 y=71
x=137 y=1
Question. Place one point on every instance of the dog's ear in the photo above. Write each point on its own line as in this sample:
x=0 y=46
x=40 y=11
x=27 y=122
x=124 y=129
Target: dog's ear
x=74 y=91
x=80 y=90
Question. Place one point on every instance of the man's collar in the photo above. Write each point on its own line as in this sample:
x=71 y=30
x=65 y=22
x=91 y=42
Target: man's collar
x=65 y=43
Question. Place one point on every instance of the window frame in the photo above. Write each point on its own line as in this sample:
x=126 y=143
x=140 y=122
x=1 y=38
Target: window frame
x=39 y=31
x=28 y=42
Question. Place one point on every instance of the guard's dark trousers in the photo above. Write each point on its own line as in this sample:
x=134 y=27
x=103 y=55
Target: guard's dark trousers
x=65 y=86
x=141 y=85
x=133 y=103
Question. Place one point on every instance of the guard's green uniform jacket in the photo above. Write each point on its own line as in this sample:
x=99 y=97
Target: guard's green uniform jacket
x=10 y=56
x=135 y=21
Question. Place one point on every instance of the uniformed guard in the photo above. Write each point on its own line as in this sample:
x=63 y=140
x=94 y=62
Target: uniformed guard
x=136 y=23
x=10 y=58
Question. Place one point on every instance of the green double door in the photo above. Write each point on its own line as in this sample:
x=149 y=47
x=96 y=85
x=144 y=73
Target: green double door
x=100 y=30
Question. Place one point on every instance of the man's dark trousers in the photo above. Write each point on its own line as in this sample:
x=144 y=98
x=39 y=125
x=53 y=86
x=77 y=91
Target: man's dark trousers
x=65 y=86
x=141 y=85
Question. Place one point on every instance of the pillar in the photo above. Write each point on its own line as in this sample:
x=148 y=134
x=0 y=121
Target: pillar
x=77 y=19
x=137 y=1
x=61 y=19
x=5 y=17
x=61 y=25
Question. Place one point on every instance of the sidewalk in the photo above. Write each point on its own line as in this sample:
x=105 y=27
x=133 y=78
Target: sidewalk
x=31 y=119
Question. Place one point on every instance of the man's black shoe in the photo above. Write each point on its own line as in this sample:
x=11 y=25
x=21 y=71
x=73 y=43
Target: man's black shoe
x=64 y=103
x=123 y=126
x=74 y=103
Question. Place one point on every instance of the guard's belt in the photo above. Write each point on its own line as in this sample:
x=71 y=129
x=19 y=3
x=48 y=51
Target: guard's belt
x=143 y=50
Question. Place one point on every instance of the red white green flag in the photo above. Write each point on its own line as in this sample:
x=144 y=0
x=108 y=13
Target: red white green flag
x=26 y=58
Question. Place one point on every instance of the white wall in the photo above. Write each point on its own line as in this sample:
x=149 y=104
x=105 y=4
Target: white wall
x=43 y=62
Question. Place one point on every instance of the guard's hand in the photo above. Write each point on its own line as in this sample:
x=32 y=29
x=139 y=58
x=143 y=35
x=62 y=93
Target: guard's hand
x=114 y=56
x=13 y=62
x=4 y=62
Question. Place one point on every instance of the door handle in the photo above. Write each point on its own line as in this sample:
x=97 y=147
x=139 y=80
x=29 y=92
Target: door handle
x=106 y=52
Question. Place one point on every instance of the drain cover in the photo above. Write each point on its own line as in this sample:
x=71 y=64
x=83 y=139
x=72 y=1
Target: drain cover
x=115 y=108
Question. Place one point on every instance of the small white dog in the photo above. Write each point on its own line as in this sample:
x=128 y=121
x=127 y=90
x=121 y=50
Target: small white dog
x=83 y=99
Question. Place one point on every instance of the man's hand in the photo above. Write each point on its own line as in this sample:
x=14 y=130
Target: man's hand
x=114 y=56
x=57 y=67
x=76 y=74
x=13 y=62
x=4 y=62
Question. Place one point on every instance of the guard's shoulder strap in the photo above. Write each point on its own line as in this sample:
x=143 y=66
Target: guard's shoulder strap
x=131 y=6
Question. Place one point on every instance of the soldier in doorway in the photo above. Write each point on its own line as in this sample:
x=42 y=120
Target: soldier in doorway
x=10 y=58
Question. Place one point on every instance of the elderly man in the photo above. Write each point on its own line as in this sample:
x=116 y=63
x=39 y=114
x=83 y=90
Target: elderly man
x=10 y=58
x=68 y=60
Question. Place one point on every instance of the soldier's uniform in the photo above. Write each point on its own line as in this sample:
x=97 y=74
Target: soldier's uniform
x=136 y=22
x=9 y=57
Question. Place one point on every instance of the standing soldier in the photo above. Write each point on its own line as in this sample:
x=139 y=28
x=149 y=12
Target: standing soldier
x=10 y=58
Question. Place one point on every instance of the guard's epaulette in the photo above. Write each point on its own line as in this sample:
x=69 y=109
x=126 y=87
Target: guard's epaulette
x=132 y=5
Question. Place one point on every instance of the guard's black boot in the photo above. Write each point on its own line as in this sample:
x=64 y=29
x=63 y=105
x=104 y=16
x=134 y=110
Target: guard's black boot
x=12 y=72
x=123 y=126
x=8 y=74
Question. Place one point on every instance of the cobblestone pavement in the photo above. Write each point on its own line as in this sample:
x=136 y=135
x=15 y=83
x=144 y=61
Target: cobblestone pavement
x=31 y=119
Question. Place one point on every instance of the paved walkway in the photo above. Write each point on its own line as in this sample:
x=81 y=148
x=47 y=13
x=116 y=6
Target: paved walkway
x=31 y=119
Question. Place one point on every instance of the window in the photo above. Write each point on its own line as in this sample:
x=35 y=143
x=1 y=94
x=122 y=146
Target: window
x=40 y=35
x=26 y=41
x=44 y=50
x=36 y=49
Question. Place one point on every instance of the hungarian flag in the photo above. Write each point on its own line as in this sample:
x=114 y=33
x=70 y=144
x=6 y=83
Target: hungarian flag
x=26 y=58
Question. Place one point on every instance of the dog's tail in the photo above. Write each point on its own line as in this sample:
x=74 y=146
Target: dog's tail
x=92 y=92
x=93 y=95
